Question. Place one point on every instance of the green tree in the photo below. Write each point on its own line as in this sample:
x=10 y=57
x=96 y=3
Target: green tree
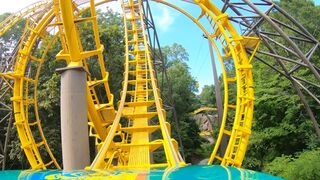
x=207 y=97
x=184 y=87
x=281 y=126
x=176 y=52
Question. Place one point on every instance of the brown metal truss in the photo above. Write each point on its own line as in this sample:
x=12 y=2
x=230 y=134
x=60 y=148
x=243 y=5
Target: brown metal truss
x=285 y=41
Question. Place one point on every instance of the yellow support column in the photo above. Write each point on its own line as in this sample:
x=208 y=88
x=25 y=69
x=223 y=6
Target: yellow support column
x=70 y=32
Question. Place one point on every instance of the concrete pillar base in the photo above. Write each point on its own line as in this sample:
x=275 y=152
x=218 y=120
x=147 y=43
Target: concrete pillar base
x=74 y=118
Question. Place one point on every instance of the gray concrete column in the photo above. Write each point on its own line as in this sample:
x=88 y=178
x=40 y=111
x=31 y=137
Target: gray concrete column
x=74 y=118
x=219 y=103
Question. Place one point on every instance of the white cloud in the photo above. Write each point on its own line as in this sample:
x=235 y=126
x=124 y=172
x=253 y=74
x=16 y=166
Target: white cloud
x=164 y=19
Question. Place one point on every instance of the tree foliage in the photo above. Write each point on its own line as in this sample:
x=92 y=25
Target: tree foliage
x=281 y=126
x=184 y=87
x=207 y=97
x=305 y=165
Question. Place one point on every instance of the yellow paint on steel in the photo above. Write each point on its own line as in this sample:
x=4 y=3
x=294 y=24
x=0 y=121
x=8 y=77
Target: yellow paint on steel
x=136 y=109
x=222 y=32
x=204 y=109
x=234 y=47
x=33 y=32
x=70 y=33
x=133 y=152
x=99 y=114
x=17 y=16
x=23 y=100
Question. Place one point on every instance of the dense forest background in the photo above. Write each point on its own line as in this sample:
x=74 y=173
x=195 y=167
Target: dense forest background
x=283 y=140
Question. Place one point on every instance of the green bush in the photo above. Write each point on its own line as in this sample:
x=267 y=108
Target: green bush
x=303 y=166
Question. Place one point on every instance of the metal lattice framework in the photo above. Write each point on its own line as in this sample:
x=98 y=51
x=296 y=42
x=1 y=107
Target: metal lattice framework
x=141 y=104
x=285 y=40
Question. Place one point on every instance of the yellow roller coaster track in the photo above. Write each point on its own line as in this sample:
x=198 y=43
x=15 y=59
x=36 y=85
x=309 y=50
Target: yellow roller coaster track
x=223 y=34
x=204 y=109
x=25 y=12
x=140 y=105
x=24 y=99
x=24 y=84
x=234 y=46
x=139 y=94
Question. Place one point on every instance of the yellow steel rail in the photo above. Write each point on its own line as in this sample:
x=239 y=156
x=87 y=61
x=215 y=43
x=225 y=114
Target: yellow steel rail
x=23 y=100
x=16 y=17
x=25 y=90
x=222 y=32
x=133 y=151
x=140 y=93
x=234 y=47
x=204 y=109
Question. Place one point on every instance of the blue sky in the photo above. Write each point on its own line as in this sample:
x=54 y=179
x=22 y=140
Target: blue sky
x=174 y=27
